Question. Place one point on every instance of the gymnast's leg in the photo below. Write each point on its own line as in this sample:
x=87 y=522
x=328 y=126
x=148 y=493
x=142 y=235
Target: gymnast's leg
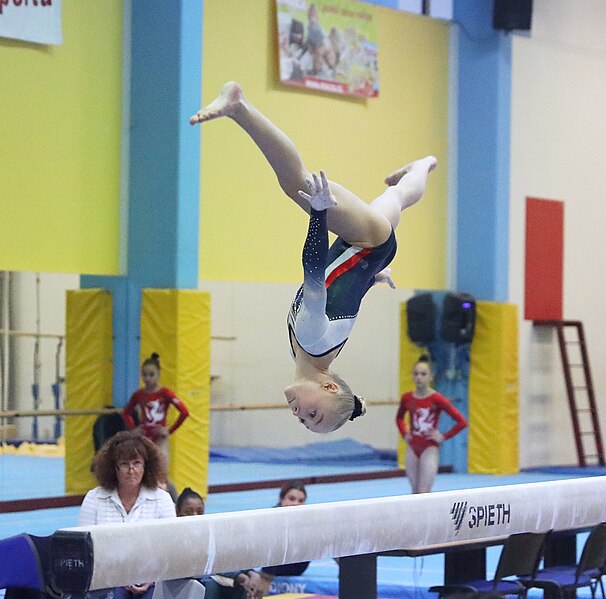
x=406 y=187
x=427 y=469
x=412 y=468
x=351 y=218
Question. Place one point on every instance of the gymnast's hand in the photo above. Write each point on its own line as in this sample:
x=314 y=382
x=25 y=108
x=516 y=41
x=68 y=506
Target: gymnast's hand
x=138 y=589
x=384 y=277
x=319 y=196
x=436 y=435
x=251 y=581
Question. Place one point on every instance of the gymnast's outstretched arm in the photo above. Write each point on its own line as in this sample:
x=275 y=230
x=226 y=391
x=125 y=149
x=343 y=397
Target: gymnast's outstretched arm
x=312 y=321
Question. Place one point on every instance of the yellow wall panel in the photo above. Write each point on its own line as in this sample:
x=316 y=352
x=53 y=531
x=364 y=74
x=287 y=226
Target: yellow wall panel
x=494 y=391
x=249 y=230
x=88 y=379
x=61 y=132
x=176 y=325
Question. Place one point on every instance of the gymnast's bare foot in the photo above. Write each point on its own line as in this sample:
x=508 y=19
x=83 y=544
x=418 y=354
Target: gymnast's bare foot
x=225 y=104
x=428 y=164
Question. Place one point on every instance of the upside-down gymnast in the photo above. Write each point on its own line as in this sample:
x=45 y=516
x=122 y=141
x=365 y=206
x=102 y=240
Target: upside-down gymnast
x=423 y=439
x=335 y=280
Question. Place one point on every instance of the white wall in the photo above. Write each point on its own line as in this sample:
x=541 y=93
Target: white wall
x=255 y=366
x=252 y=368
x=558 y=152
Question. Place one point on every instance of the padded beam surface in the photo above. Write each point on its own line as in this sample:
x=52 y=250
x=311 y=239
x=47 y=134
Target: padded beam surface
x=197 y=545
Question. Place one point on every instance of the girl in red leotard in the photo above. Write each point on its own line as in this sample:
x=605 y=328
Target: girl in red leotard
x=151 y=404
x=424 y=405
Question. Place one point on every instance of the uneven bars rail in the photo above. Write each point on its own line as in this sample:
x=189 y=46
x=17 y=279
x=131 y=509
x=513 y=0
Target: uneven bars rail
x=15 y=333
x=215 y=408
x=29 y=413
x=12 y=333
x=112 y=555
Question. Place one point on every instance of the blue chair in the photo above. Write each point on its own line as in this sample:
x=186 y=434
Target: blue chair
x=520 y=557
x=587 y=573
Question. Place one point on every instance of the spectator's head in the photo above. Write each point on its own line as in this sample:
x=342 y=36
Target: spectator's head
x=129 y=459
x=190 y=503
x=293 y=493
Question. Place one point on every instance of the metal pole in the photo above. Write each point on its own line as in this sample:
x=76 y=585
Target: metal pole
x=5 y=346
x=37 y=365
x=56 y=388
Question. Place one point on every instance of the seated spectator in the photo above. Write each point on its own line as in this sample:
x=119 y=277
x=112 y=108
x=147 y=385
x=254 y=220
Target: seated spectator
x=128 y=468
x=245 y=584
x=292 y=493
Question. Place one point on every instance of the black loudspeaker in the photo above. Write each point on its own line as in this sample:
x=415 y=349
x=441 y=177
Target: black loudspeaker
x=421 y=316
x=512 y=14
x=458 y=318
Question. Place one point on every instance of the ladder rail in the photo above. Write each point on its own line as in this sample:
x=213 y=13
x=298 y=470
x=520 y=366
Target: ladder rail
x=590 y=393
x=571 y=396
x=571 y=388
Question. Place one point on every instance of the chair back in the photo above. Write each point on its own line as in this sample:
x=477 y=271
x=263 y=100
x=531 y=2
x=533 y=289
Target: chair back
x=521 y=555
x=105 y=427
x=593 y=555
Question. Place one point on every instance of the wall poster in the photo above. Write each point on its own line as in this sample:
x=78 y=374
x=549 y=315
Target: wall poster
x=328 y=45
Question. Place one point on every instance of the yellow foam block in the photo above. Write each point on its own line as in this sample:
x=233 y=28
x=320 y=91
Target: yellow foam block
x=175 y=323
x=43 y=450
x=88 y=381
x=494 y=391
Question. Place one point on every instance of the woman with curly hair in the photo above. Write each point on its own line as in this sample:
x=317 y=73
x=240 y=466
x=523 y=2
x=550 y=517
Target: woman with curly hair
x=128 y=468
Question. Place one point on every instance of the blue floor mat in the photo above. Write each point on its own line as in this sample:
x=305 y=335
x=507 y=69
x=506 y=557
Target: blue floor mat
x=328 y=452
x=572 y=470
x=24 y=477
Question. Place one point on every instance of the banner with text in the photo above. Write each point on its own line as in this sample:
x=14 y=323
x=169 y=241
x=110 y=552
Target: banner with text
x=37 y=21
x=328 y=45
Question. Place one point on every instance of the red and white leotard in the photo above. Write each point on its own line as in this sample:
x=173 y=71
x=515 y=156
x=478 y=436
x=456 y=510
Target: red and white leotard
x=424 y=416
x=153 y=407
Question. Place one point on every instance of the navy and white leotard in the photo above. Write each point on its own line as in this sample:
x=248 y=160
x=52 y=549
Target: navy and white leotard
x=335 y=280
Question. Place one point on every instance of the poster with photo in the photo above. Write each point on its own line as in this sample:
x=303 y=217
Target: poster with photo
x=328 y=45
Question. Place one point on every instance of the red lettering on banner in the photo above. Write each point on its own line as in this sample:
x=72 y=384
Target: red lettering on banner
x=18 y=3
x=326 y=86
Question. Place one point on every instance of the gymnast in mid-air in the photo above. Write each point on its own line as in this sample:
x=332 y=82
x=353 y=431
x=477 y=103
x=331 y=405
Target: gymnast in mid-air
x=335 y=279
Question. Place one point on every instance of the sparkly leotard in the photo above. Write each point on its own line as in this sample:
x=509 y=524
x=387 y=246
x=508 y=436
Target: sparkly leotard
x=335 y=280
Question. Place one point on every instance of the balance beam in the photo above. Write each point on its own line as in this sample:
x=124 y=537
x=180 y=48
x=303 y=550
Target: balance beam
x=111 y=555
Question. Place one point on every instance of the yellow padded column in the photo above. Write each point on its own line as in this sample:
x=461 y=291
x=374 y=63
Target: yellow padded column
x=493 y=391
x=88 y=379
x=175 y=323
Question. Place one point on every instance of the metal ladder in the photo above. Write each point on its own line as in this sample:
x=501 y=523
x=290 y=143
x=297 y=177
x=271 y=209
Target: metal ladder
x=582 y=387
